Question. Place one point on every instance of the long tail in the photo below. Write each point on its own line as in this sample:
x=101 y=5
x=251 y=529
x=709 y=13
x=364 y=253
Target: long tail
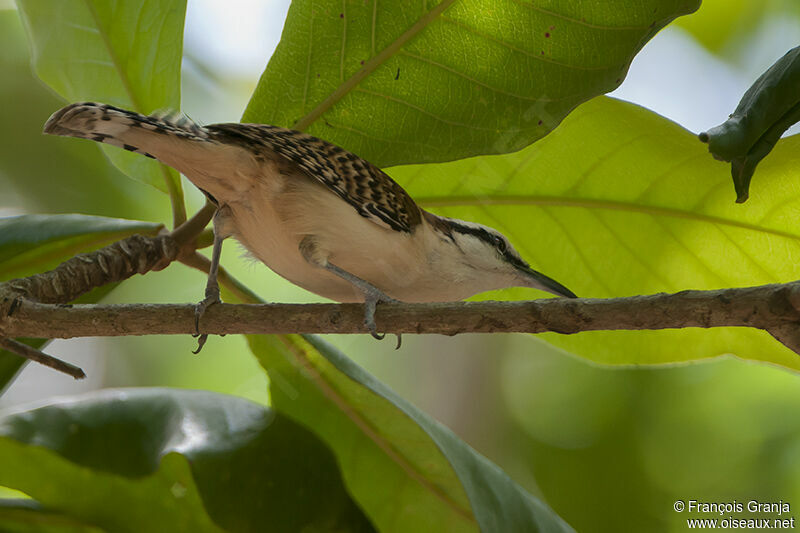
x=216 y=167
x=151 y=136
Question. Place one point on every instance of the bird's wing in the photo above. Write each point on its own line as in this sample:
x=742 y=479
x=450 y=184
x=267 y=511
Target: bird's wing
x=176 y=140
x=369 y=190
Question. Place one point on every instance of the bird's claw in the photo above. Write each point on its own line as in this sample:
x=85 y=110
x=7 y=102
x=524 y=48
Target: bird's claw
x=212 y=297
x=201 y=341
x=370 y=304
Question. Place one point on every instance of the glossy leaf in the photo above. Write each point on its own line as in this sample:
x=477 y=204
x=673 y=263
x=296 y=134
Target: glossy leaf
x=407 y=471
x=768 y=108
x=619 y=201
x=124 y=53
x=35 y=243
x=422 y=81
x=174 y=460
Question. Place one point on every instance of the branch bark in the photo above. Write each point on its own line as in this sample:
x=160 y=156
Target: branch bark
x=118 y=261
x=773 y=308
x=27 y=305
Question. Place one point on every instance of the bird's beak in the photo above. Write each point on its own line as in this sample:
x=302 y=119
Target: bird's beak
x=537 y=280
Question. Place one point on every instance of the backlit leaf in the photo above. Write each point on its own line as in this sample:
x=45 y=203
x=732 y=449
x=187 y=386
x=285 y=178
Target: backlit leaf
x=124 y=53
x=619 y=201
x=421 y=81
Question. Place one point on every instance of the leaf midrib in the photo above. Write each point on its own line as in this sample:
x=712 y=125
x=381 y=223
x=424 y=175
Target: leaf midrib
x=329 y=391
x=123 y=77
x=592 y=203
x=170 y=182
x=371 y=65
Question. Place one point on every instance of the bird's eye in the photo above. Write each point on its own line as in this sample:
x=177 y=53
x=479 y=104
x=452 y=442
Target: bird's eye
x=500 y=244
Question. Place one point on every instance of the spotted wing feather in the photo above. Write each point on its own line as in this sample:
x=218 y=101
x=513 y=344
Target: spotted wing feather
x=368 y=189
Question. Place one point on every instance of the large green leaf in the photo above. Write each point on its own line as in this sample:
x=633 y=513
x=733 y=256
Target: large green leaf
x=619 y=201
x=49 y=174
x=174 y=460
x=407 y=471
x=27 y=516
x=412 y=82
x=35 y=243
x=126 y=53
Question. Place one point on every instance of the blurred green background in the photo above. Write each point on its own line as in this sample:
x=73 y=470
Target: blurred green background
x=610 y=449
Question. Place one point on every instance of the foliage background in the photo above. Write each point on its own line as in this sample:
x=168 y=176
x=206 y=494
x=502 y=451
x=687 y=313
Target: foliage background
x=609 y=448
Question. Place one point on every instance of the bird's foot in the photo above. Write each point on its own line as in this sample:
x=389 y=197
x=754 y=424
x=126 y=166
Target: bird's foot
x=212 y=297
x=372 y=297
x=372 y=294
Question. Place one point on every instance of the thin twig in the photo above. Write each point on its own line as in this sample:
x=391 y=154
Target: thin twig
x=192 y=228
x=28 y=352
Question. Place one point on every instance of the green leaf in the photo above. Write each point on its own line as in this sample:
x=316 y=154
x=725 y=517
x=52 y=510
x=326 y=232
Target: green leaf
x=174 y=460
x=619 y=201
x=35 y=243
x=407 y=471
x=27 y=516
x=725 y=27
x=425 y=81
x=72 y=177
x=768 y=108
x=125 y=53
x=11 y=364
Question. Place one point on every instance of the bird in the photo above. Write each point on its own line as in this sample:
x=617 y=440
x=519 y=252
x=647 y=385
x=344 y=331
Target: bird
x=316 y=214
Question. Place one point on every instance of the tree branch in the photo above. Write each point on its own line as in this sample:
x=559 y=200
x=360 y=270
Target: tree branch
x=773 y=308
x=84 y=272
x=27 y=310
x=118 y=261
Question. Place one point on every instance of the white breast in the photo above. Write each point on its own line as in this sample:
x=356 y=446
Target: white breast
x=276 y=214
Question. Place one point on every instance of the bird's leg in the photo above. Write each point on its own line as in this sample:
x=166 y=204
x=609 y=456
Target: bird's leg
x=372 y=294
x=212 y=286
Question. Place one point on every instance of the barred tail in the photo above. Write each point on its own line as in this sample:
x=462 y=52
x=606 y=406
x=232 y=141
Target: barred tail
x=150 y=136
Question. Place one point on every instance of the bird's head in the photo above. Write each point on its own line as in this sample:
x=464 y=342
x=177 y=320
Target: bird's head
x=488 y=256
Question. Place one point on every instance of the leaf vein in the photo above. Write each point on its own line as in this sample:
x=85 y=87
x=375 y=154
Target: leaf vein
x=522 y=51
x=424 y=111
x=375 y=137
x=596 y=203
x=126 y=83
x=344 y=41
x=478 y=82
x=327 y=388
x=580 y=22
x=371 y=65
